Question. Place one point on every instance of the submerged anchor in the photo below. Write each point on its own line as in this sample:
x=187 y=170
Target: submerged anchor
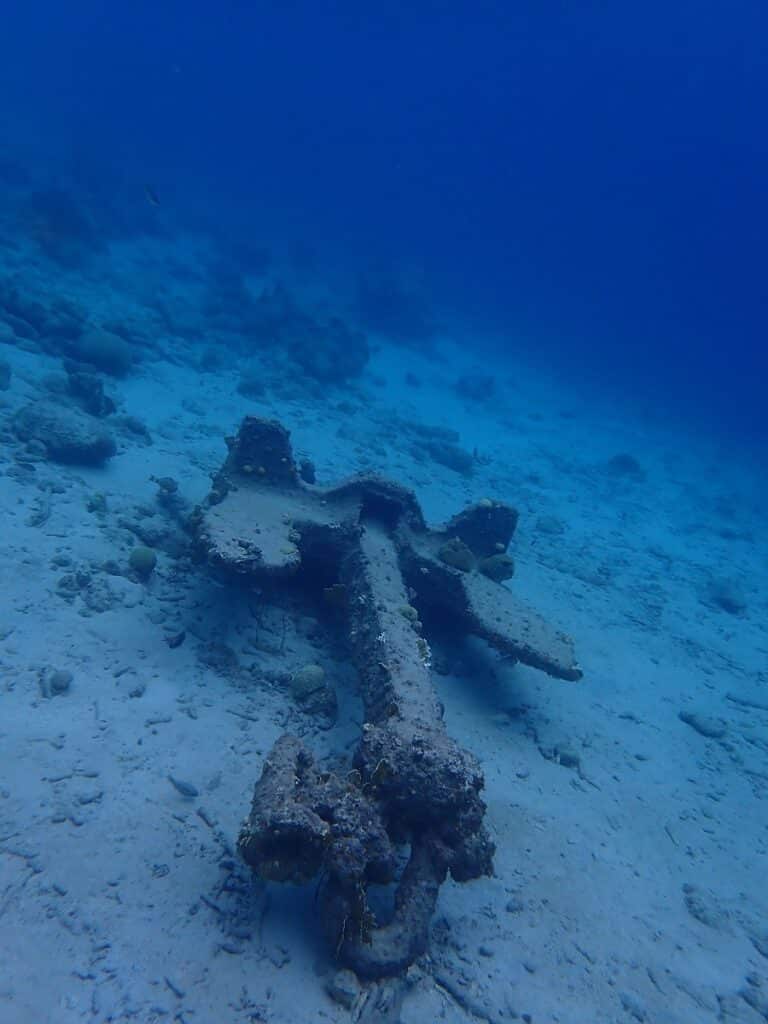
x=410 y=783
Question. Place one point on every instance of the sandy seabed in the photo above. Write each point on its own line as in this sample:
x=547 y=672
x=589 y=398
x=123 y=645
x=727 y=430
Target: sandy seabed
x=631 y=842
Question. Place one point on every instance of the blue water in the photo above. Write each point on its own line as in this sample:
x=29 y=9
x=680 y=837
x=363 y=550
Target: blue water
x=583 y=183
x=505 y=252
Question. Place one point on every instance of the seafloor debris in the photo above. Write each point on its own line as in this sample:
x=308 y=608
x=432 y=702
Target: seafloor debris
x=410 y=785
x=64 y=434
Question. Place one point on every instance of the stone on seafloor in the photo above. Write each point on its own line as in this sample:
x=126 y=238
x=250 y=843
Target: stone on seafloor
x=67 y=435
x=143 y=561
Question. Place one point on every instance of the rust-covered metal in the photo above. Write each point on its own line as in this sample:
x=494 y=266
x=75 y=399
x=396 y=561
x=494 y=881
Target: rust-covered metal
x=410 y=784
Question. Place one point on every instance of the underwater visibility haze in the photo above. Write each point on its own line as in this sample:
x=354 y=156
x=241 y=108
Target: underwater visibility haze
x=588 y=180
x=383 y=491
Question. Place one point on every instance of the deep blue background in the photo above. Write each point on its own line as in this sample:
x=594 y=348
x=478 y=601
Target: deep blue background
x=590 y=177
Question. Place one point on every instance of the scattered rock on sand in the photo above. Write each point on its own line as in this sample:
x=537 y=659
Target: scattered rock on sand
x=704 y=907
x=88 y=391
x=712 y=728
x=307 y=680
x=106 y=351
x=68 y=435
x=310 y=689
x=186 y=789
x=54 y=681
x=343 y=988
x=550 y=525
x=633 y=1005
x=143 y=561
x=450 y=455
x=561 y=751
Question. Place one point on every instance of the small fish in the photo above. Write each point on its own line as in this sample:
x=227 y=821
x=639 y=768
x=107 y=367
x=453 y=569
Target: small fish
x=152 y=196
x=185 y=788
